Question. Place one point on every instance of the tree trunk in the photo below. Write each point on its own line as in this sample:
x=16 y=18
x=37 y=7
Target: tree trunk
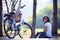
x=0 y=18
x=54 y=29
x=34 y=16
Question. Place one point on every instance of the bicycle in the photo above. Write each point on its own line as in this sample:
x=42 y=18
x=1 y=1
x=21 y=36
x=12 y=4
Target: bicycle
x=11 y=30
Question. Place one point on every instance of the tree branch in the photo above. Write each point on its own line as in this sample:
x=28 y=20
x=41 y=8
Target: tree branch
x=23 y=6
x=19 y=5
x=10 y=3
x=7 y=6
x=15 y=2
x=13 y=6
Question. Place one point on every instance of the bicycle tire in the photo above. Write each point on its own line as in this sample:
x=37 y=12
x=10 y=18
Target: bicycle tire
x=5 y=29
x=30 y=29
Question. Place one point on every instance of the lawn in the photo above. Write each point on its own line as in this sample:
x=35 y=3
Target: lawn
x=26 y=35
x=41 y=29
x=58 y=31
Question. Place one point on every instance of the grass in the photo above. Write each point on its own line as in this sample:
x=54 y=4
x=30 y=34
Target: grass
x=58 y=31
x=38 y=30
x=41 y=29
x=26 y=35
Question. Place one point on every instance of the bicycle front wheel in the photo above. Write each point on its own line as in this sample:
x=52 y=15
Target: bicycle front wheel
x=8 y=28
x=26 y=31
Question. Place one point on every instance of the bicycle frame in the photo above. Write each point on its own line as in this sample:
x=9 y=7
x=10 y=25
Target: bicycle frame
x=19 y=25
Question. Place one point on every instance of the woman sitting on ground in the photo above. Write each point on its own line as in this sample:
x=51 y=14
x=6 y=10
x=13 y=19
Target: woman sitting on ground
x=47 y=32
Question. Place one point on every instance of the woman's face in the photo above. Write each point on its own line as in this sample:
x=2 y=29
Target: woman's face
x=45 y=20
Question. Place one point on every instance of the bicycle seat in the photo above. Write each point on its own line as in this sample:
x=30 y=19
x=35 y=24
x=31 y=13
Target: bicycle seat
x=7 y=15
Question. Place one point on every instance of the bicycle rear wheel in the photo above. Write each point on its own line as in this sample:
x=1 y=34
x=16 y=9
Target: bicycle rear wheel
x=8 y=28
x=26 y=31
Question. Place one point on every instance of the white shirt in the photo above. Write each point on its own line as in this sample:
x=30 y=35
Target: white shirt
x=49 y=29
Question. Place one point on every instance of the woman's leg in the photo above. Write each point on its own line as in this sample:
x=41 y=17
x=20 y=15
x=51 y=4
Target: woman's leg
x=40 y=35
x=47 y=37
x=37 y=35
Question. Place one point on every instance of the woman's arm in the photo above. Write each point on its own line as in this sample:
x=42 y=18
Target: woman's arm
x=45 y=29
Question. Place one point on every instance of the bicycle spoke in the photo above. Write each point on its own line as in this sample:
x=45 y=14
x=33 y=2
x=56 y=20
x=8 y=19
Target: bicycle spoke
x=25 y=32
x=10 y=32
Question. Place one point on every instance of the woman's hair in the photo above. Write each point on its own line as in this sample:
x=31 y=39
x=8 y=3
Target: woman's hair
x=48 y=20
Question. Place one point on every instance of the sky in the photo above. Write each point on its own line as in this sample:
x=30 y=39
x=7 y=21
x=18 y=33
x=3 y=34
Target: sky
x=28 y=9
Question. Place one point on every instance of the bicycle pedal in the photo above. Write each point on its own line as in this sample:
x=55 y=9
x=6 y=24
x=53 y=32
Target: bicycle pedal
x=25 y=31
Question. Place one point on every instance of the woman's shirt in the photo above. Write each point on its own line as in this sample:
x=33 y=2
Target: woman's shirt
x=49 y=29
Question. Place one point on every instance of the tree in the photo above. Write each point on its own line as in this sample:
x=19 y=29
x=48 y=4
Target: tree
x=12 y=5
x=0 y=18
x=54 y=28
x=34 y=16
x=7 y=6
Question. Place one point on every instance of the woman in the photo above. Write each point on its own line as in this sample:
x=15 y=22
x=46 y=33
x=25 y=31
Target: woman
x=47 y=32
